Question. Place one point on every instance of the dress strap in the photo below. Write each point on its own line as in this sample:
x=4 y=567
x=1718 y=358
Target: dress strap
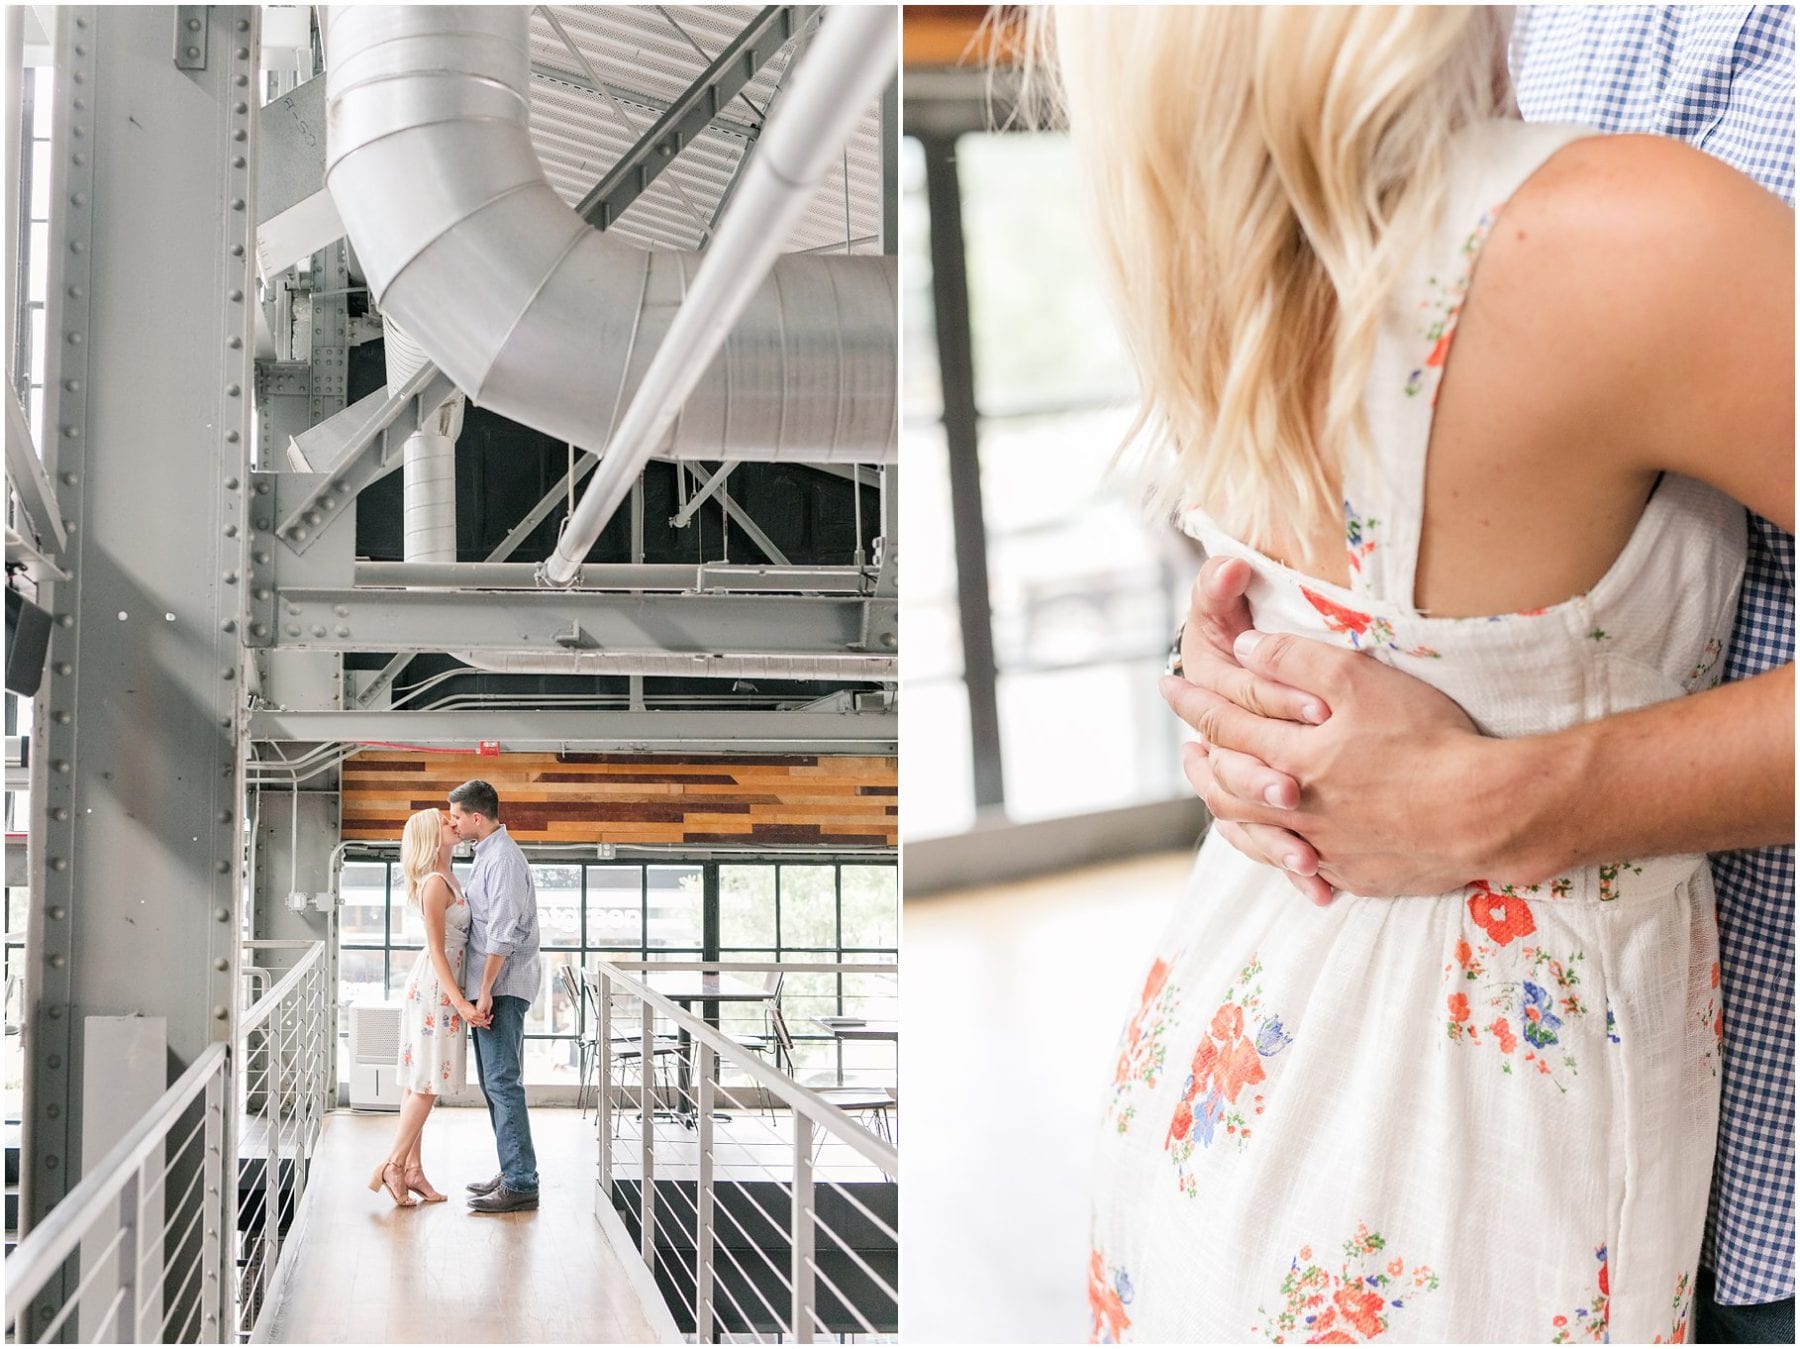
x=1384 y=483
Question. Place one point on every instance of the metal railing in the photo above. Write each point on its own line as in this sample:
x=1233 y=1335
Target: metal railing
x=282 y=1096
x=783 y=1225
x=137 y=1243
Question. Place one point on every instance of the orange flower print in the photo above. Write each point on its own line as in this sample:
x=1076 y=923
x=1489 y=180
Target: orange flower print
x=1503 y=917
x=1108 y=1294
x=1365 y=631
x=1536 y=999
x=1589 y=1322
x=1227 y=1061
x=1142 y=1052
x=1338 y=618
x=1350 y=1305
x=1715 y=974
x=1683 y=1303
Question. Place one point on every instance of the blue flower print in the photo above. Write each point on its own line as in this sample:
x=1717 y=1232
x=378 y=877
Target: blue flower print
x=1540 y=1022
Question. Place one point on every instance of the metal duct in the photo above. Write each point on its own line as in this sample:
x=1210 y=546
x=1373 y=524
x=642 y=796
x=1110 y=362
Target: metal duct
x=536 y=315
x=871 y=668
x=429 y=472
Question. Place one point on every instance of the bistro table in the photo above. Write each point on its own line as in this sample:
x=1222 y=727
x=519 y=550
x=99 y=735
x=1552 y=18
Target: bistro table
x=688 y=987
x=853 y=1028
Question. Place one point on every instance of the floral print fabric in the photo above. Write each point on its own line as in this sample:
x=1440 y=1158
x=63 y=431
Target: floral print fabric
x=433 y=1039
x=1484 y=1115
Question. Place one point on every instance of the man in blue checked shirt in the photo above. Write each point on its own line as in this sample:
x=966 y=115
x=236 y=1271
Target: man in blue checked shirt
x=501 y=978
x=1722 y=79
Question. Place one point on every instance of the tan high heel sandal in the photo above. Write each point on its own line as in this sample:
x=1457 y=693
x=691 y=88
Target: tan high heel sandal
x=396 y=1187
x=427 y=1195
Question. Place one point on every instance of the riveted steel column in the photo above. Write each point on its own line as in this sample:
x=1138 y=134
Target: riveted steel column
x=135 y=796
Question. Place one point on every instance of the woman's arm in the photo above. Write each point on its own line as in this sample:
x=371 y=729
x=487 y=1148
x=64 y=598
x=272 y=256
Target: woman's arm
x=436 y=903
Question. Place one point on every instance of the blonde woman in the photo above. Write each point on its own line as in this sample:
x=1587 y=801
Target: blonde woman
x=435 y=1012
x=1488 y=1113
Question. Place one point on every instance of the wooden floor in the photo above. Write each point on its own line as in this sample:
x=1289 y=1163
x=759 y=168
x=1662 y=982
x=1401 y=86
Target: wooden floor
x=370 y=1273
x=1015 y=998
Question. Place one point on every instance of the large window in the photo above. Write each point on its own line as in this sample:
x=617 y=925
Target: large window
x=826 y=911
x=1039 y=601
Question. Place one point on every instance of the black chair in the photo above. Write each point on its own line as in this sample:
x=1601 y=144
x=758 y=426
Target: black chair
x=622 y=1049
x=876 y=1101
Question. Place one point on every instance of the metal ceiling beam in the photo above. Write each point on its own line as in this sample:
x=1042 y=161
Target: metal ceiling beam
x=693 y=111
x=731 y=729
x=656 y=107
x=473 y=620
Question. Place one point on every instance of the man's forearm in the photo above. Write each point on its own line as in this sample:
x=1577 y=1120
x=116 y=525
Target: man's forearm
x=1706 y=773
x=490 y=972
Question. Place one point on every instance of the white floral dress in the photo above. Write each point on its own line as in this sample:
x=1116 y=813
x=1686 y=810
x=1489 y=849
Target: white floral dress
x=433 y=1038
x=1486 y=1115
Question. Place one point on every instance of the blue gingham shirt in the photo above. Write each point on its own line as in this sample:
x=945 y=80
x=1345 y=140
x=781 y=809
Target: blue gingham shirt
x=1720 y=78
x=503 y=919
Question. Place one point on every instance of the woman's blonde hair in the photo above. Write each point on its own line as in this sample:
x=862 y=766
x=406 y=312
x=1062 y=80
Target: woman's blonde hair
x=419 y=850
x=1262 y=176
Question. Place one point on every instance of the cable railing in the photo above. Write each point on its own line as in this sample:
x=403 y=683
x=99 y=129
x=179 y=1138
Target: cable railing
x=282 y=1095
x=764 y=1208
x=133 y=1253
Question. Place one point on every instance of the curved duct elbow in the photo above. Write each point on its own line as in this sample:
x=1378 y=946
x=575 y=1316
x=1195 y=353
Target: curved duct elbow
x=871 y=668
x=533 y=313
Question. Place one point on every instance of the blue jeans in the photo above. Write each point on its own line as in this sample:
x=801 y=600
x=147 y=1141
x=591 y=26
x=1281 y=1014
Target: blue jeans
x=1757 y=1323
x=500 y=1066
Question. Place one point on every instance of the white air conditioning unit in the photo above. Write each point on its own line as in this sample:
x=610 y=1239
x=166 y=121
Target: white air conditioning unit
x=375 y=1055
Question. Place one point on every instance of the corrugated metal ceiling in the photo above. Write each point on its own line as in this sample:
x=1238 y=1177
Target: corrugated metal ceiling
x=640 y=53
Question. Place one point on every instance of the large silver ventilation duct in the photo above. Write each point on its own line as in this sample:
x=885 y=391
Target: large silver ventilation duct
x=849 y=64
x=535 y=314
x=871 y=668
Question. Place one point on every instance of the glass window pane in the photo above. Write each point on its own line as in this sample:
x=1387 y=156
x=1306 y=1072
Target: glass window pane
x=18 y=902
x=615 y=907
x=937 y=787
x=360 y=977
x=923 y=394
x=363 y=889
x=559 y=904
x=874 y=997
x=871 y=906
x=1023 y=355
x=673 y=898
x=549 y=1062
x=808 y=907
x=1122 y=750
x=805 y=996
x=553 y=1011
x=746 y=907
x=408 y=920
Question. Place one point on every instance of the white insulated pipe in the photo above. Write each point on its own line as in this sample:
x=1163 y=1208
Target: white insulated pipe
x=428 y=469
x=846 y=67
x=533 y=313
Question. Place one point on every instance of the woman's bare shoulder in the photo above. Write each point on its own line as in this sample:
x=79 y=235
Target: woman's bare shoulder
x=1648 y=282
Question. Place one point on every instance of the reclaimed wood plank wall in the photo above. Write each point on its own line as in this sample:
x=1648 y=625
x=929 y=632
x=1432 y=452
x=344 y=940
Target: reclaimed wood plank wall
x=831 y=800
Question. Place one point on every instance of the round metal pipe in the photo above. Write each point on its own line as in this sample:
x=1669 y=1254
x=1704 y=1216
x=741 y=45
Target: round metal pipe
x=428 y=467
x=537 y=316
x=847 y=65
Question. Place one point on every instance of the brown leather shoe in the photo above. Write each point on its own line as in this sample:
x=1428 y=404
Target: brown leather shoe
x=503 y=1200
x=487 y=1186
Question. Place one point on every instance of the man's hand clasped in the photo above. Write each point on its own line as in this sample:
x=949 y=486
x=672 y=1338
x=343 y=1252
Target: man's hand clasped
x=1342 y=772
